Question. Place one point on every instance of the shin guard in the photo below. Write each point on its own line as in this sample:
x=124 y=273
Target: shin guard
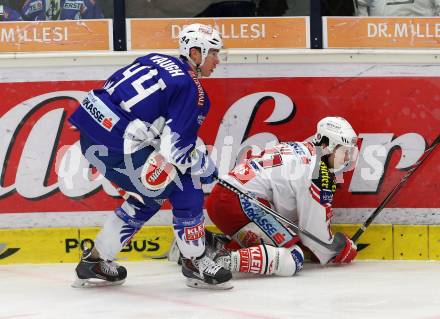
x=114 y=235
x=267 y=260
x=190 y=234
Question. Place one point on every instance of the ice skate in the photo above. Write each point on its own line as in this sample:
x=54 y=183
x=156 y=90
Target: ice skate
x=204 y=273
x=215 y=242
x=92 y=272
x=223 y=258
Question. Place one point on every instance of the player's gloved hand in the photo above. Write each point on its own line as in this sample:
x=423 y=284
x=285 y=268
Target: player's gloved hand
x=204 y=169
x=348 y=251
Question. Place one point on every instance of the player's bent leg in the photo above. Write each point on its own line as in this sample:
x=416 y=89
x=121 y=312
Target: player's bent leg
x=263 y=260
x=97 y=267
x=246 y=222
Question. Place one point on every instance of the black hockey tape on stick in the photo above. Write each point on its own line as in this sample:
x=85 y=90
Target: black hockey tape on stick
x=333 y=247
x=393 y=192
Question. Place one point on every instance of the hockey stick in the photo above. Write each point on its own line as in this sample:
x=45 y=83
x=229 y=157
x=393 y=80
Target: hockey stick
x=333 y=247
x=393 y=192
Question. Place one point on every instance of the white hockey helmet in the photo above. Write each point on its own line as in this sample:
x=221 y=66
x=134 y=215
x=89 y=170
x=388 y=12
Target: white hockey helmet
x=336 y=131
x=200 y=36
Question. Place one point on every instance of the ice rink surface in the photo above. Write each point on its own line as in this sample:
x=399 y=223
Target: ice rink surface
x=156 y=289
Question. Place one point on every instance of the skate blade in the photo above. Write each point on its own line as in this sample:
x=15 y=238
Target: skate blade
x=196 y=283
x=94 y=283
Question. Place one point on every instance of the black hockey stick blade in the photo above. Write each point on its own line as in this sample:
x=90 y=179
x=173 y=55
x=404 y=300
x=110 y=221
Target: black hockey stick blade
x=391 y=194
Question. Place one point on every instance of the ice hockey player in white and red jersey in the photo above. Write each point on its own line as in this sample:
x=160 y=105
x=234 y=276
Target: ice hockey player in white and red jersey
x=297 y=180
x=399 y=8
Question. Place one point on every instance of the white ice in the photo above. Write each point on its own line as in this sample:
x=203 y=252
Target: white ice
x=156 y=289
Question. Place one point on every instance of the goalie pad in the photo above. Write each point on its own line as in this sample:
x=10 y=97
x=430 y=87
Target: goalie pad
x=267 y=260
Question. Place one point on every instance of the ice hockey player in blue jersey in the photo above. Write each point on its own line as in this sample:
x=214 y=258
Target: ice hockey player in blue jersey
x=140 y=131
x=61 y=10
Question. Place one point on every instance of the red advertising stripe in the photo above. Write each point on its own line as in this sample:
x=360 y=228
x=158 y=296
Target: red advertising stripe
x=403 y=111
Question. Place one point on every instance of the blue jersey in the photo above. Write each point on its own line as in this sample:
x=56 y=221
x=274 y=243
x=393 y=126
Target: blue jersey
x=7 y=14
x=155 y=96
x=61 y=10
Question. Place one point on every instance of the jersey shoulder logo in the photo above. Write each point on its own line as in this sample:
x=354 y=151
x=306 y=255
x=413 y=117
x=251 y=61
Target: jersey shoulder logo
x=243 y=172
x=300 y=152
x=99 y=111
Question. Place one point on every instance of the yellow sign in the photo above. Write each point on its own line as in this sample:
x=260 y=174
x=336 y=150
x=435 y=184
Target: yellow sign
x=378 y=238
x=150 y=242
x=276 y=32
x=36 y=245
x=381 y=32
x=65 y=245
x=75 y=35
x=411 y=242
x=55 y=245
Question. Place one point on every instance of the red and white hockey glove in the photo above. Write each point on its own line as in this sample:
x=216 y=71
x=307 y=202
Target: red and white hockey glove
x=348 y=253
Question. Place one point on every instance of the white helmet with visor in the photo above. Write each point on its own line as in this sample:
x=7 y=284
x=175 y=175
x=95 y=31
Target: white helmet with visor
x=200 y=36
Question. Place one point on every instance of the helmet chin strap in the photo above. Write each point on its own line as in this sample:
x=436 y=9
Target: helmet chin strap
x=196 y=66
x=325 y=151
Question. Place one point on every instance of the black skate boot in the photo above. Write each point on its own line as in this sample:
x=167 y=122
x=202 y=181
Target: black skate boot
x=215 y=242
x=203 y=272
x=92 y=272
x=223 y=258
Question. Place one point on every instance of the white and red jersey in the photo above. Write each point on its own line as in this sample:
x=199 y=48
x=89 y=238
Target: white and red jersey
x=296 y=186
x=389 y=8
